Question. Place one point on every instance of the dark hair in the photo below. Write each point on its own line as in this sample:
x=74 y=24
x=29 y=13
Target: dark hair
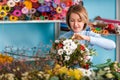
x=81 y=11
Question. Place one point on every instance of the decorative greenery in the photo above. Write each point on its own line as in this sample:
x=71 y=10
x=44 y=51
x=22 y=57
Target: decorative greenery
x=107 y=71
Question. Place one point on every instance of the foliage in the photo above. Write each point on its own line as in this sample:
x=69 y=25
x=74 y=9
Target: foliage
x=107 y=71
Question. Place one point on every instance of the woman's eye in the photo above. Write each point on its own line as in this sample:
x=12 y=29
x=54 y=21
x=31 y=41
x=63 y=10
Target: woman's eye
x=79 y=20
x=71 y=20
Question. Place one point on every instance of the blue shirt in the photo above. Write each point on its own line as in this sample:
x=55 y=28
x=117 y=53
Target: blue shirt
x=95 y=39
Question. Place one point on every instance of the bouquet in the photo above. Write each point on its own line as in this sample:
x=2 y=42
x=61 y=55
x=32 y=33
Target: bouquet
x=68 y=52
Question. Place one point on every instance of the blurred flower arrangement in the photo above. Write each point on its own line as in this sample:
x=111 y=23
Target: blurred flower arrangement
x=59 y=65
x=68 y=52
x=107 y=71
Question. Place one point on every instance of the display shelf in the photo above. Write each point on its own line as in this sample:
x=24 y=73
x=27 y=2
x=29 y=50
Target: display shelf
x=33 y=21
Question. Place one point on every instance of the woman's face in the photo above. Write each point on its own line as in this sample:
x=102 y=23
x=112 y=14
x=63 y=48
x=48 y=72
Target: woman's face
x=76 y=23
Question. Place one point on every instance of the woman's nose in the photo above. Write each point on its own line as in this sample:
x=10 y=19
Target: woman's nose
x=76 y=23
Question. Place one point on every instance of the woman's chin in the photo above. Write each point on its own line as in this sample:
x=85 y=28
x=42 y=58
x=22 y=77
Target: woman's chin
x=76 y=31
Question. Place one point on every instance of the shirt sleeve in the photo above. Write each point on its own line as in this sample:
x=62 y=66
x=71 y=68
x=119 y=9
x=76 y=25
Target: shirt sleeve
x=97 y=39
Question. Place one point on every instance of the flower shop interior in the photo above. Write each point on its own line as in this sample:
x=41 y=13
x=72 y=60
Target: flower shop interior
x=29 y=27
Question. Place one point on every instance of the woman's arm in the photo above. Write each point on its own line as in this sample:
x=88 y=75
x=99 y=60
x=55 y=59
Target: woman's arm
x=96 y=39
x=102 y=42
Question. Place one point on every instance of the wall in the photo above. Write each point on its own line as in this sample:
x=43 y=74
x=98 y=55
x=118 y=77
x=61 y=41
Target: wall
x=26 y=35
x=105 y=9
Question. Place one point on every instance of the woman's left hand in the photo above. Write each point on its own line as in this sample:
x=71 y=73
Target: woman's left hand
x=80 y=37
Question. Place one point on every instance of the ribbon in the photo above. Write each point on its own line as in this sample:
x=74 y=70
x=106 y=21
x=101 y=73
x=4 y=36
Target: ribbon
x=6 y=8
x=24 y=10
x=63 y=5
x=3 y=13
x=47 y=0
x=41 y=1
x=6 y=18
x=37 y=14
x=32 y=11
x=59 y=10
x=13 y=18
x=34 y=1
x=28 y=4
x=22 y=17
x=35 y=5
x=11 y=3
x=16 y=1
x=3 y=2
x=57 y=1
x=17 y=13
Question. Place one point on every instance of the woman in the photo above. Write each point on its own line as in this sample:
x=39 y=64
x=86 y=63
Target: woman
x=77 y=20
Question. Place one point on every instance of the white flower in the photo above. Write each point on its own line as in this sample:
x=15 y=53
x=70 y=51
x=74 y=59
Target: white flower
x=9 y=76
x=67 y=42
x=56 y=41
x=60 y=51
x=107 y=69
x=24 y=78
x=73 y=46
x=66 y=48
x=85 y=72
x=67 y=58
x=69 y=52
x=87 y=58
x=25 y=74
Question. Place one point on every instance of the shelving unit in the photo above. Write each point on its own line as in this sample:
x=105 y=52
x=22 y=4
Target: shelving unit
x=34 y=21
x=57 y=24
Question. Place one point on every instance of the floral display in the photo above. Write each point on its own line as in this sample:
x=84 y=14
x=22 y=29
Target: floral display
x=68 y=52
x=59 y=64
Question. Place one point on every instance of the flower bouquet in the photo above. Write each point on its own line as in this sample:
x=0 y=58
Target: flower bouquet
x=68 y=52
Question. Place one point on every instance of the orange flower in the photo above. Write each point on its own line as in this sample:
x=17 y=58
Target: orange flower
x=5 y=59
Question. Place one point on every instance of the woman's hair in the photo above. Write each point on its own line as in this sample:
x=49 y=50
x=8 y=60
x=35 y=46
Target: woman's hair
x=81 y=11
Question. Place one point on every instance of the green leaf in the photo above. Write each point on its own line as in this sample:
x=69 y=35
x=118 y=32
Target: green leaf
x=85 y=78
x=54 y=78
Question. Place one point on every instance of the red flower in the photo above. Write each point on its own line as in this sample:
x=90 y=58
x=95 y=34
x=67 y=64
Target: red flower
x=60 y=45
x=86 y=66
x=82 y=47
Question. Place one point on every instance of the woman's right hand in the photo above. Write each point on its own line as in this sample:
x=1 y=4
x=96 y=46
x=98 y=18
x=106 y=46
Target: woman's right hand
x=77 y=37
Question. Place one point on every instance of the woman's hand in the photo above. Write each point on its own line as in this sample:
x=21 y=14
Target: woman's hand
x=80 y=37
x=77 y=36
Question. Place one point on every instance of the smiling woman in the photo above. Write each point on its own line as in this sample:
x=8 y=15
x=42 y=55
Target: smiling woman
x=77 y=21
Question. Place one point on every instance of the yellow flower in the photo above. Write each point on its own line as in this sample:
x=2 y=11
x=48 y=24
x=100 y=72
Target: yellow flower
x=49 y=72
x=70 y=72
x=63 y=70
x=77 y=74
